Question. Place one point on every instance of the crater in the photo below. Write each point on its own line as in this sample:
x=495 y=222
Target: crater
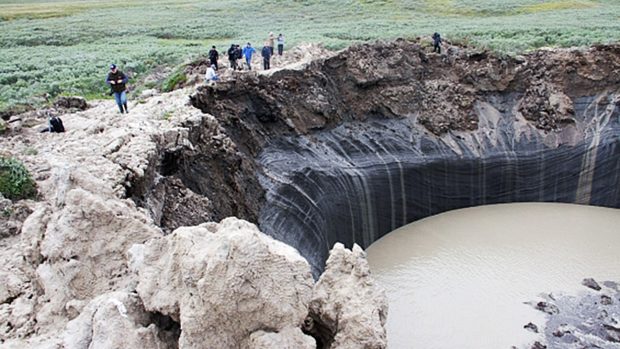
x=352 y=146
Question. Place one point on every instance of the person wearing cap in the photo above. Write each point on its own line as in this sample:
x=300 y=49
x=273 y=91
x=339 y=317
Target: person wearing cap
x=211 y=76
x=117 y=81
x=266 y=53
x=248 y=51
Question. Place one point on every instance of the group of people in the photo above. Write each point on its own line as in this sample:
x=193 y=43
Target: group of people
x=235 y=53
x=118 y=80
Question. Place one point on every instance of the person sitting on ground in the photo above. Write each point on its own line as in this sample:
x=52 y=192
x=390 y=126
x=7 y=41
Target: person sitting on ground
x=213 y=56
x=232 y=56
x=280 y=44
x=211 y=76
x=436 y=42
x=266 y=53
x=248 y=51
x=117 y=81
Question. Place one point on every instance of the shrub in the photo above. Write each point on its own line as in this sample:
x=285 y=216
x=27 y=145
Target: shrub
x=15 y=180
x=175 y=80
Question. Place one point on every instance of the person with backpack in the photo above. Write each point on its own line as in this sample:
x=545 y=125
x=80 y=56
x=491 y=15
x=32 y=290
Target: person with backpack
x=117 y=81
x=248 y=51
x=266 y=53
x=232 y=56
x=436 y=42
x=280 y=44
x=213 y=56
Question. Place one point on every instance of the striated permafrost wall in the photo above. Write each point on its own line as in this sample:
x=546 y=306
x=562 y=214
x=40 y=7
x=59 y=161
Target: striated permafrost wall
x=359 y=181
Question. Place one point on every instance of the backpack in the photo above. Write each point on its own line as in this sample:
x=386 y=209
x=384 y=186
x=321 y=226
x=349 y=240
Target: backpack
x=56 y=125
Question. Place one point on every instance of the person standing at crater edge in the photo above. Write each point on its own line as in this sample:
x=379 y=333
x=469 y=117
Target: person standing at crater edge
x=271 y=40
x=436 y=42
x=232 y=56
x=280 y=44
x=213 y=56
x=248 y=51
x=117 y=81
x=266 y=53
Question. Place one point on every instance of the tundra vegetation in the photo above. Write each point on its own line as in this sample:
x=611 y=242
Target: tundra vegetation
x=60 y=47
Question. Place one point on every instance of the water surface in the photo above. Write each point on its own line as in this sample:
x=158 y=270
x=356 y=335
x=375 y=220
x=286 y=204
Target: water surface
x=460 y=279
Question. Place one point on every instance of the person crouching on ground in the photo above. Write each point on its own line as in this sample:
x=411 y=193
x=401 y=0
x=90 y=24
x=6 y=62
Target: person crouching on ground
x=248 y=51
x=117 y=81
x=211 y=76
x=266 y=53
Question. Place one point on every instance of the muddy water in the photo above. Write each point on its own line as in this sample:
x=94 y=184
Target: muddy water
x=460 y=279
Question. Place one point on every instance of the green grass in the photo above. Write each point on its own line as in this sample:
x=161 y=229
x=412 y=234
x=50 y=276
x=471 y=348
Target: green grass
x=15 y=180
x=64 y=47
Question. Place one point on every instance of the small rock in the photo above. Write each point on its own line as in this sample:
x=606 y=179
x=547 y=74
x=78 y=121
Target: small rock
x=547 y=308
x=538 y=345
x=591 y=283
x=613 y=333
x=606 y=300
x=531 y=327
x=73 y=102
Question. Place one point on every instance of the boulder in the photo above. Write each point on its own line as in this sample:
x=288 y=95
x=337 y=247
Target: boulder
x=114 y=320
x=288 y=338
x=71 y=102
x=348 y=309
x=85 y=247
x=223 y=282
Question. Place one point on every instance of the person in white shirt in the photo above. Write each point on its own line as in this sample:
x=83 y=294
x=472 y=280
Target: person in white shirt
x=211 y=76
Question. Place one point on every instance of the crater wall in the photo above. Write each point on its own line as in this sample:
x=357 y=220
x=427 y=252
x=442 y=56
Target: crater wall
x=361 y=180
x=351 y=146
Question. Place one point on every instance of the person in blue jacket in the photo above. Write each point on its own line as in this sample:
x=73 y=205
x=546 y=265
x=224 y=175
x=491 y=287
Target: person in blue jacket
x=248 y=51
x=117 y=81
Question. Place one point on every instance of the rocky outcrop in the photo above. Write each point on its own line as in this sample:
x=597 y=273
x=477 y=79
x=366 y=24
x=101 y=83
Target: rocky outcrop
x=348 y=309
x=587 y=320
x=222 y=283
x=116 y=320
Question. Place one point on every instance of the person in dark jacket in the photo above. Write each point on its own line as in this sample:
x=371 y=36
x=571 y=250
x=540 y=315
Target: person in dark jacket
x=117 y=81
x=232 y=56
x=213 y=56
x=436 y=43
x=266 y=53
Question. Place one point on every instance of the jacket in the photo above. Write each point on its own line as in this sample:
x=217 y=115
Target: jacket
x=117 y=87
x=248 y=51
x=266 y=53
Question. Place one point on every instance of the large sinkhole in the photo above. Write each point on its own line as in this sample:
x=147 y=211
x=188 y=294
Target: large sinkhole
x=359 y=181
x=350 y=147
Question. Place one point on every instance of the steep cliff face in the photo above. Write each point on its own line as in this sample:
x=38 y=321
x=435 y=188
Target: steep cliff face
x=354 y=145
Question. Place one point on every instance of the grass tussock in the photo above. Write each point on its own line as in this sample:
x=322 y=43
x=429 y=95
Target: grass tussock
x=15 y=180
